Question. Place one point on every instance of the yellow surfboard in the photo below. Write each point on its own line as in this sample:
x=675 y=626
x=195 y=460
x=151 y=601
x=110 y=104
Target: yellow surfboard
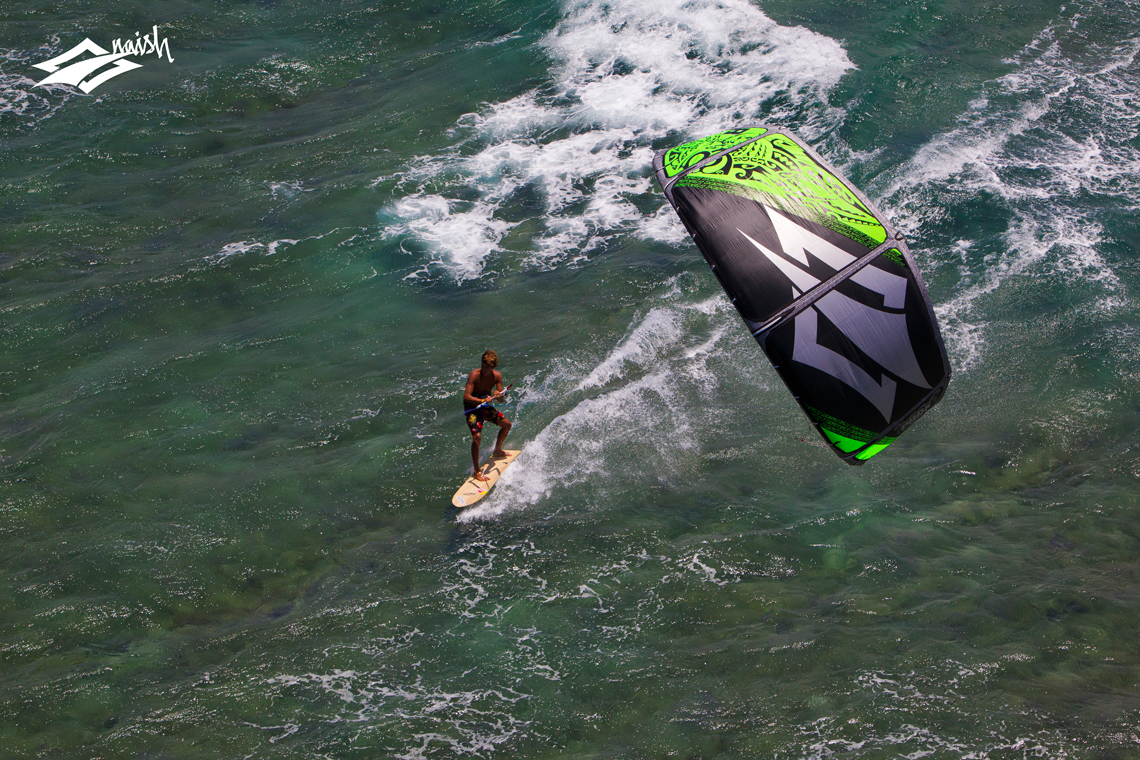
x=473 y=490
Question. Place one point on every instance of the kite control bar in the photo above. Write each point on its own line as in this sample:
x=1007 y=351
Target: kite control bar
x=488 y=403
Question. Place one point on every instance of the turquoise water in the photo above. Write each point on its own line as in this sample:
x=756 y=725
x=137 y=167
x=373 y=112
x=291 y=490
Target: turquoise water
x=241 y=291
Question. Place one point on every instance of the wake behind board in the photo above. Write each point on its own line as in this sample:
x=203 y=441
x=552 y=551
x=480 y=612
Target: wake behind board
x=473 y=490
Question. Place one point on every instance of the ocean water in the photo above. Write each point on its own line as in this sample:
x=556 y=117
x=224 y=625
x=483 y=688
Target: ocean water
x=240 y=291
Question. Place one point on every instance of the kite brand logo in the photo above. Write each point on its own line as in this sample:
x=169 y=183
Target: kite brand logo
x=881 y=335
x=82 y=74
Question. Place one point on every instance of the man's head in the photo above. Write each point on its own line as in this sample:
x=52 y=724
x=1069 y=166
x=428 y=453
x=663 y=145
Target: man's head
x=490 y=359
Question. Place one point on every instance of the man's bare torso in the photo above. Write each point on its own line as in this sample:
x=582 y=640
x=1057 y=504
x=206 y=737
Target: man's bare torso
x=483 y=383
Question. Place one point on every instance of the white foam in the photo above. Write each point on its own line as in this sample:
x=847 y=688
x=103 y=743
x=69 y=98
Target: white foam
x=20 y=97
x=271 y=248
x=287 y=190
x=233 y=249
x=460 y=241
x=447 y=718
x=947 y=688
x=1018 y=144
x=659 y=330
x=625 y=74
x=664 y=226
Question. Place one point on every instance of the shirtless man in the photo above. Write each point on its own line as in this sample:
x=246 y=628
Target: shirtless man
x=481 y=385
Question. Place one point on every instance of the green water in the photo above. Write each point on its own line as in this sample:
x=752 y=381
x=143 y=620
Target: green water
x=240 y=291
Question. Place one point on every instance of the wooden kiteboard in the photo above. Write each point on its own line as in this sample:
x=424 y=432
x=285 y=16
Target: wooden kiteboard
x=473 y=490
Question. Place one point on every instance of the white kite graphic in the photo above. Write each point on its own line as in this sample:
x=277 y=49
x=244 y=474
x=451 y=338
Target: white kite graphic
x=862 y=325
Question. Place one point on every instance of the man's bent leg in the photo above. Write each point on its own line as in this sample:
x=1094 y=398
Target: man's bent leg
x=476 y=439
x=504 y=428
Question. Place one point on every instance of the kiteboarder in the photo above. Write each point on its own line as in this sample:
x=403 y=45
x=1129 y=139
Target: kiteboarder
x=477 y=397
